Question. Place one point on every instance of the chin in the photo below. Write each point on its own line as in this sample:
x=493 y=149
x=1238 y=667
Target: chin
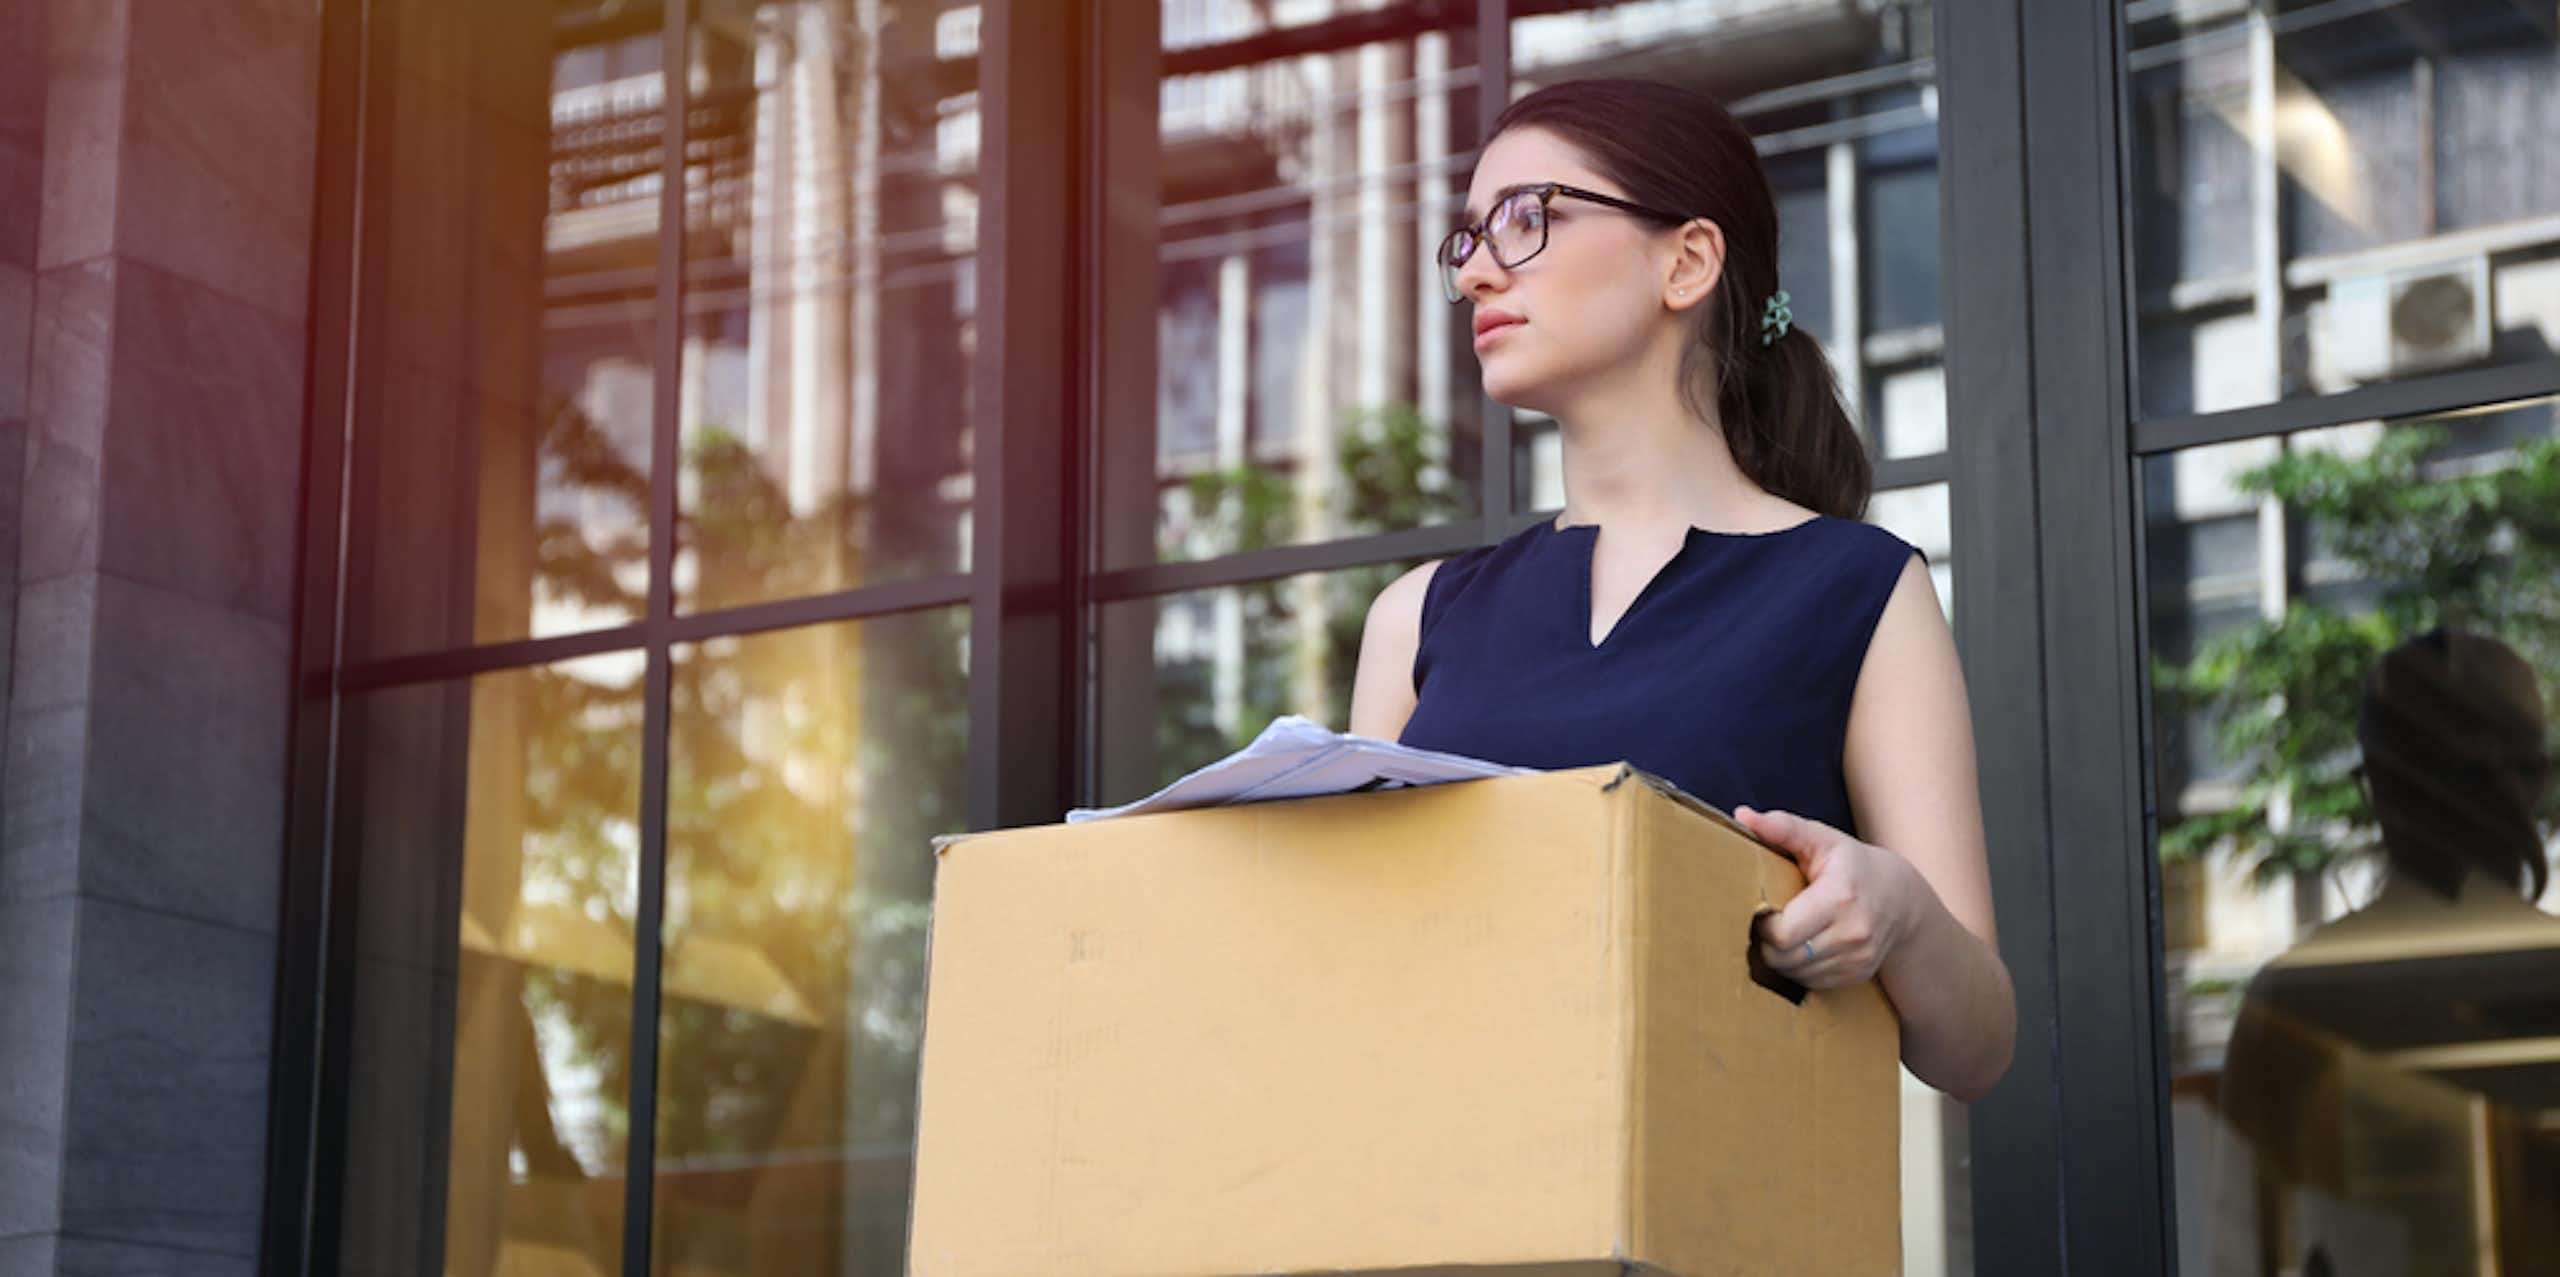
x=1511 y=389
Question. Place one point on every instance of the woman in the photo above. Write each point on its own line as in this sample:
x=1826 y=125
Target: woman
x=1706 y=606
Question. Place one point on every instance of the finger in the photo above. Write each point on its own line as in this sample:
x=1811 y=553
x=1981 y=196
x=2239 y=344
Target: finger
x=1790 y=833
x=1823 y=962
x=1797 y=962
x=1800 y=919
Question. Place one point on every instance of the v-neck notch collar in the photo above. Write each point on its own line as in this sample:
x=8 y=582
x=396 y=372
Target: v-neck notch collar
x=1586 y=565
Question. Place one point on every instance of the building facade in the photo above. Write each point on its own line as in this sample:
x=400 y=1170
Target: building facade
x=520 y=522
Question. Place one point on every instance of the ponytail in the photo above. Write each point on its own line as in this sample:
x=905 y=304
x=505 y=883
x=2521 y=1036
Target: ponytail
x=1785 y=423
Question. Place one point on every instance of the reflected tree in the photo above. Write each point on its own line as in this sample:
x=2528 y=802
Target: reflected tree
x=2439 y=542
x=1387 y=477
x=808 y=771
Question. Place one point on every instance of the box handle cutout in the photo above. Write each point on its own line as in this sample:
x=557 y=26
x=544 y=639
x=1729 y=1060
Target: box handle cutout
x=1762 y=973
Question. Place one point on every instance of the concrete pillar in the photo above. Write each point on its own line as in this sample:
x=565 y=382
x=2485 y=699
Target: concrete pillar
x=155 y=194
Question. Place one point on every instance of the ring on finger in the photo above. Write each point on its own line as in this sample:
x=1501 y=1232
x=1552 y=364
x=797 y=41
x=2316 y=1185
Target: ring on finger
x=1808 y=951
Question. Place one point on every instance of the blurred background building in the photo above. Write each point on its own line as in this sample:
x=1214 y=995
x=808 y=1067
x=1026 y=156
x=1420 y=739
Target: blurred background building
x=525 y=518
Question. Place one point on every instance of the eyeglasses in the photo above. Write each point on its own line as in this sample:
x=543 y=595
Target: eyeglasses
x=1516 y=229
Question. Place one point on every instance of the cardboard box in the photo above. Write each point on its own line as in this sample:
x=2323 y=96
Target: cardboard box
x=1507 y=1025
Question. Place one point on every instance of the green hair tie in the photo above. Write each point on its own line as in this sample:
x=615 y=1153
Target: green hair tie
x=1776 y=320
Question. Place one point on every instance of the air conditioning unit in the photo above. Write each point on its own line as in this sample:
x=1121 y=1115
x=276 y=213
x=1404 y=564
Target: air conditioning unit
x=2416 y=319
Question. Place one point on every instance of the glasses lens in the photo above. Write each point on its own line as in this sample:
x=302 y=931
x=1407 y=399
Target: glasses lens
x=1454 y=252
x=1517 y=229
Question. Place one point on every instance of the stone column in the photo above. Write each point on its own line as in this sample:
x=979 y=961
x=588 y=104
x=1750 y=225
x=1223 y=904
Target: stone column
x=155 y=192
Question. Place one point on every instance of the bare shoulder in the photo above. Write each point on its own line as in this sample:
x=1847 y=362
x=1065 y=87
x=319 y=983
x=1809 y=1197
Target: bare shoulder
x=1910 y=680
x=1401 y=601
x=1382 y=691
x=1909 y=756
x=1913 y=617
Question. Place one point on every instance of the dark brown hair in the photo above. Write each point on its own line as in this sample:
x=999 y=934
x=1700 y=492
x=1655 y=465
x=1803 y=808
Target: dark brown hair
x=2454 y=754
x=1671 y=148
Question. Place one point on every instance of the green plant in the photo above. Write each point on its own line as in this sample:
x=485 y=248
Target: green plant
x=1386 y=478
x=2466 y=549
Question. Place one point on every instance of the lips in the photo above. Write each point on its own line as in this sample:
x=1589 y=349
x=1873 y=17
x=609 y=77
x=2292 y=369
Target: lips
x=1493 y=323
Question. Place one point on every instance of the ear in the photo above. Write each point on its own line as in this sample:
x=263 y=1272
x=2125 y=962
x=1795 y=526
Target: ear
x=1697 y=264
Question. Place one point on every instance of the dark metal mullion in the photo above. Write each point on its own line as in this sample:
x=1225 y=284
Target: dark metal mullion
x=1023 y=616
x=2385 y=401
x=1154 y=579
x=1493 y=93
x=1113 y=680
x=429 y=667
x=306 y=1119
x=639 y=1190
x=1912 y=472
x=2015 y=1133
x=858 y=604
x=818 y=609
x=2110 y=1067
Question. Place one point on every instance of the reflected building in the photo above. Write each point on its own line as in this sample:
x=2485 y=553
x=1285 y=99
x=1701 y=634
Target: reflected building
x=2326 y=200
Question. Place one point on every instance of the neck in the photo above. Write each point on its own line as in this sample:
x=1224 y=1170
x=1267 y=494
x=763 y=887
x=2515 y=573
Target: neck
x=1645 y=463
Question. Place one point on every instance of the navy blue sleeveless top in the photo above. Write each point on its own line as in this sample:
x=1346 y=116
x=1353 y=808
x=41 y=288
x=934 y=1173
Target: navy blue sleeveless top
x=1729 y=676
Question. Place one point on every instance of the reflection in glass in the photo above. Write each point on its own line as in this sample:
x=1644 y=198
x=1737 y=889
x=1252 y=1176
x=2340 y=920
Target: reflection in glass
x=497 y=855
x=830 y=221
x=502 y=452
x=1223 y=663
x=2328 y=195
x=2357 y=632
x=809 y=770
x=1299 y=311
x=1842 y=102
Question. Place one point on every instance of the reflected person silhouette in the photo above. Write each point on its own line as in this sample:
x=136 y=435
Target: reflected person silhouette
x=2391 y=1077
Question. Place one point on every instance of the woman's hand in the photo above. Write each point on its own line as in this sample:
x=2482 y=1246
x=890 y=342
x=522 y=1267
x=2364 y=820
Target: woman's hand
x=1858 y=904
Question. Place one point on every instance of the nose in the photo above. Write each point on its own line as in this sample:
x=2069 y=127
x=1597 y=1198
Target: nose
x=1480 y=275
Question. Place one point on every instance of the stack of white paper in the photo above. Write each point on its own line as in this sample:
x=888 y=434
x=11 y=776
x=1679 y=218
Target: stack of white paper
x=1296 y=757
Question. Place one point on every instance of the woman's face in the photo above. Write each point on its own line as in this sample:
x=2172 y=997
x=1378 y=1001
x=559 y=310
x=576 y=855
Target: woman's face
x=1588 y=306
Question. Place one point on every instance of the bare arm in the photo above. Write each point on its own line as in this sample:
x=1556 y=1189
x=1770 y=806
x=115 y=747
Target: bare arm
x=1910 y=909
x=1912 y=783
x=1382 y=694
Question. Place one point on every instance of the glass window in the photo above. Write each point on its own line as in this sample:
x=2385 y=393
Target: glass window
x=2356 y=677
x=1214 y=667
x=808 y=772
x=830 y=226
x=496 y=839
x=1920 y=516
x=1300 y=326
x=502 y=442
x=2331 y=195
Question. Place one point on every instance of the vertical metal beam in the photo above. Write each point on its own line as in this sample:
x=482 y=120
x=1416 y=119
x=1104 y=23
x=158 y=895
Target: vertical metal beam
x=1117 y=681
x=2070 y=1150
x=2015 y=1131
x=2109 y=1067
x=666 y=456
x=1036 y=206
x=314 y=959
